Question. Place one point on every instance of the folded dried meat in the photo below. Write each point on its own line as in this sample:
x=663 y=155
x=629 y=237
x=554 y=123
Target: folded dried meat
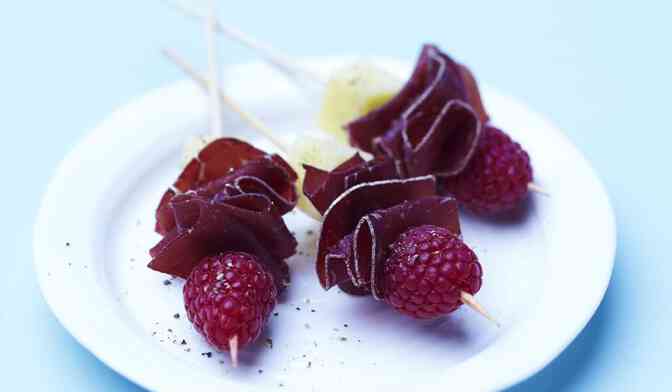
x=205 y=227
x=360 y=225
x=432 y=125
x=228 y=167
x=322 y=187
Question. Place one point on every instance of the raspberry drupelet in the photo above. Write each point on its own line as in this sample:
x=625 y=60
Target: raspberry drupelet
x=497 y=177
x=429 y=272
x=228 y=298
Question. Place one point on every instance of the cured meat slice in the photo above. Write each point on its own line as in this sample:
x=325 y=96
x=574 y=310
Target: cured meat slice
x=230 y=167
x=205 y=227
x=342 y=217
x=375 y=232
x=322 y=187
x=432 y=125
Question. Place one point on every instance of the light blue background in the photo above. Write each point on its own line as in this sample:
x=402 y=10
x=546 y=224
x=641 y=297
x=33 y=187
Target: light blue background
x=601 y=71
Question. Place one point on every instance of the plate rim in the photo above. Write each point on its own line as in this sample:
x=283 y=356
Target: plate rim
x=38 y=232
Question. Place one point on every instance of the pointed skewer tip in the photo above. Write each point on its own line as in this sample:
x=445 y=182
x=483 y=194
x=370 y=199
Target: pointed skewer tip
x=233 y=350
x=532 y=187
x=471 y=302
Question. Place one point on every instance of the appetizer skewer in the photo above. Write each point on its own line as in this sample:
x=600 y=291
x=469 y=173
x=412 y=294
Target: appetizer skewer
x=223 y=232
x=361 y=88
x=469 y=277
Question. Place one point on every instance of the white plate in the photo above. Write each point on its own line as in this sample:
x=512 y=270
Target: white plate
x=545 y=272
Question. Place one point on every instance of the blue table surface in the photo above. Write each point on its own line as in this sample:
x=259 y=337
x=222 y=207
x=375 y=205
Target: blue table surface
x=600 y=70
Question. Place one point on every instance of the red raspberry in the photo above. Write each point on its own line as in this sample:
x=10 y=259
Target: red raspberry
x=427 y=271
x=227 y=295
x=496 y=178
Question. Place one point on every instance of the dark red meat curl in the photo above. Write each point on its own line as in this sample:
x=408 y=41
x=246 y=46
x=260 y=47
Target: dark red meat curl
x=432 y=125
x=244 y=223
x=361 y=224
x=229 y=167
x=344 y=214
x=376 y=231
x=322 y=187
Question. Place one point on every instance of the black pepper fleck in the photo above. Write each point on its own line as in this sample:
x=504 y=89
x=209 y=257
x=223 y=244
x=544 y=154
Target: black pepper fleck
x=167 y=282
x=67 y=244
x=208 y=354
x=276 y=314
x=260 y=371
x=176 y=315
x=183 y=342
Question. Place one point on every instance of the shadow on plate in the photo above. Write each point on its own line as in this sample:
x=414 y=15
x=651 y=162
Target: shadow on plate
x=450 y=329
x=520 y=214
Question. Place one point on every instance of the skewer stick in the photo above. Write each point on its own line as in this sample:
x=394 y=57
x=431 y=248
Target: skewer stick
x=277 y=59
x=251 y=120
x=233 y=350
x=471 y=302
x=213 y=68
x=532 y=187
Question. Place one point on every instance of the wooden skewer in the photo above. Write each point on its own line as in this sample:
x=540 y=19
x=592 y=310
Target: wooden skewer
x=466 y=298
x=532 y=187
x=251 y=120
x=471 y=302
x=277 y=59
x=233 y=350
x=213 y=70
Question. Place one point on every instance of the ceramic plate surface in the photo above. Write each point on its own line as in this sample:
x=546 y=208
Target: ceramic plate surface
x=546 y=270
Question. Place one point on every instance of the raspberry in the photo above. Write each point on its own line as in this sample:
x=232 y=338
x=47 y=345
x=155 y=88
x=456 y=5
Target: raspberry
x=496 y=178
x=427 y=271
x=229 y=295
